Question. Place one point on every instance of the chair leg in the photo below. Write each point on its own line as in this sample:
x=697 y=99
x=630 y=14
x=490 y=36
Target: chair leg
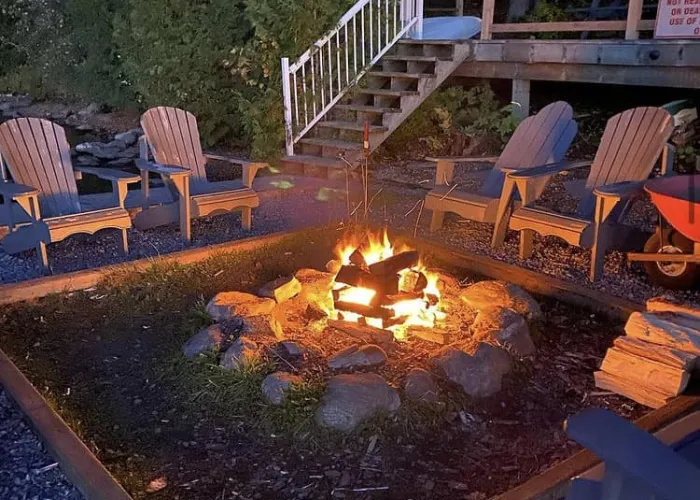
x=500 y=227
x=598 y=249
x=125 y=243
x=526 y=238
x=247 y=218
x=42 y=255
x=182 y=185
x=437 y=220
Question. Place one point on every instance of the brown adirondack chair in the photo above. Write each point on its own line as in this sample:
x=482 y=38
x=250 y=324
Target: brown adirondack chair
x=172 y=136
x=630 y=146
x=42 y=204
x=539 y=139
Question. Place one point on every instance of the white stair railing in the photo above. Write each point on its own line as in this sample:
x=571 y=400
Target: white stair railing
x=325 y=72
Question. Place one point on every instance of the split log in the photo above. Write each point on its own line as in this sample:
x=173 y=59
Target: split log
x=365 y=333
x=358 y=259
x=389 y=300
x=662 y=354
x=394 y=264
x=427 y=334
x=421 y=283
x=649 y=373
x=668 y=305
x=363 y=310
x=281 y=289
x=672 y=330
x=636 y=392
x=354 y=276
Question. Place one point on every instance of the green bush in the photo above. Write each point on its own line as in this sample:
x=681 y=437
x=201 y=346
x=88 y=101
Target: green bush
x=474 y=113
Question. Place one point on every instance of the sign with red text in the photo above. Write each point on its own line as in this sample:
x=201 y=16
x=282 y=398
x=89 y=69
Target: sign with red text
x=678 y=19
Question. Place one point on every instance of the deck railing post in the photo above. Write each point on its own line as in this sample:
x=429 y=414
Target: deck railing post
x=419 y=17
x=287 y=95
x=487 y=19
x=634 y=15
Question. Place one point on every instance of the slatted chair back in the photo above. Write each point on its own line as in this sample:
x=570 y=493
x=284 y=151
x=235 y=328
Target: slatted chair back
x=539 y=139
x=632 y=142
x=38 y=155
x=173 y=137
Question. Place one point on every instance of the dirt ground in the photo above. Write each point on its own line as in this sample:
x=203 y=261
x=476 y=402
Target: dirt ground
x=109 y=359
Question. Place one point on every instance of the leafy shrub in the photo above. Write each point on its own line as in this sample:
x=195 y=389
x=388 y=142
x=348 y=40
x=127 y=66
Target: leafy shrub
x=549 y=12
x=454 y=112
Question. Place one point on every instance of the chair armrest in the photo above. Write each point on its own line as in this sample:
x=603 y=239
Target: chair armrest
x=463 y=159
x=157 y=168
x=110 y=174
x=620 y=190
x=12 y=190
x=250 y=168
x=634 y=453
x=549 y=170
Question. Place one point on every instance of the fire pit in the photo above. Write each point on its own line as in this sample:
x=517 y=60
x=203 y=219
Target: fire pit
x=385 y=287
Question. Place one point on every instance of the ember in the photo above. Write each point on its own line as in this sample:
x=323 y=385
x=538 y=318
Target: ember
x=385 y=287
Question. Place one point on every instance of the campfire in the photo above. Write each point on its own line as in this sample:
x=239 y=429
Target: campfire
x=385 y=287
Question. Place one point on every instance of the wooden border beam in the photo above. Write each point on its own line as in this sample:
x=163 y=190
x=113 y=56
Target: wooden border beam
x=569 y=26
x=78 y=463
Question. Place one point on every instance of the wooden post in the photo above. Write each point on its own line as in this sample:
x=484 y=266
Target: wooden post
x=521 y=99
x=634 y=15
x=460 y=8
x=487 y=19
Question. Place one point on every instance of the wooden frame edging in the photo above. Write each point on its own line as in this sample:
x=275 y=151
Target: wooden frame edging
x=78 y=463
x=80 y=280
x=552 y=484
x=532 y=281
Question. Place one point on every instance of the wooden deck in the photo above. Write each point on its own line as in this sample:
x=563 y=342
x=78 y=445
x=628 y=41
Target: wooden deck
x=657 y=63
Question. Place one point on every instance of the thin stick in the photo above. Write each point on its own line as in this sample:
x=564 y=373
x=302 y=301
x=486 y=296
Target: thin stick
x=357 y=208
x=449 y=191
x=414 y=207
x=420 y=212
x=373 y=197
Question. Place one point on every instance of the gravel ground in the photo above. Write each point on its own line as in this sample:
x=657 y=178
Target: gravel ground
x=397 y=206
x=27 y=471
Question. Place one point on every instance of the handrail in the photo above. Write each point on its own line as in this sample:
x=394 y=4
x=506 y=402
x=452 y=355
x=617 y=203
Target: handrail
x=323 y=74
x=631 y=26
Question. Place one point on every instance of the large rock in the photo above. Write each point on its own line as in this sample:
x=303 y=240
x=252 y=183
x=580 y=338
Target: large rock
x=281 y=289
x=489 y=293
x=353 y=398
x=357 y=357
x=420 y=386
x=129 y=137
x=205 y=340
x=98 y=150
x=226 y=305
x=316 y=287
x=480 y=374
x=504 y=327
x=242 y=353
x=276 y=386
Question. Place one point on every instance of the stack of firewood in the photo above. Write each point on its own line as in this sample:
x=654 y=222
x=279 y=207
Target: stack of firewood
x=654 y=361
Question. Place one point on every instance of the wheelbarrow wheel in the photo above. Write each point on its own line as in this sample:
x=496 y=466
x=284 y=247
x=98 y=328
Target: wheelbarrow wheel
x=673 y=275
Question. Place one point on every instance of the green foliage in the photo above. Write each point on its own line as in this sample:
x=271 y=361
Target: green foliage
x=548 y=12
x=474 y=113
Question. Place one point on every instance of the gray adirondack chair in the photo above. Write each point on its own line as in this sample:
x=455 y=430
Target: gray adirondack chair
x=631 y=144
x=638 y=466
x=172 y=137
x=541 y=138
x=42 y=204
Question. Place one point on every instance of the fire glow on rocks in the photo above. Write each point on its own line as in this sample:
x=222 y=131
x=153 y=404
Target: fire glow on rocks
x=384 y=287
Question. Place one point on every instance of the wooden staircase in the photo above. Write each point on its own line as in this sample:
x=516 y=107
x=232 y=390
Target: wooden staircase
x=387 y=94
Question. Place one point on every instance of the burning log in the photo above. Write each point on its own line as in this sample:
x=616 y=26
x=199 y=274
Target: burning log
x=392 y=265
x=365 y=333
x=428 y=334
x=363 y=310
x=413 y=281
x=354 y=276
x=421 y=283
x=358 y=259
x=390 y=300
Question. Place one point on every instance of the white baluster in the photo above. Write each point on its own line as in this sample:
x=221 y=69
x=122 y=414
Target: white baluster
x=330 y=71
x=379 y=26
x=289 y=134
x=354 y=43
x=371 y=32
x=337 y=55
x=386 y=22
x=347 y=62
x=323 y=76
x=419 y=16
x=364 y=57
x=313 y=85
x=296 y=100
x=304 y=94
x=396 y=28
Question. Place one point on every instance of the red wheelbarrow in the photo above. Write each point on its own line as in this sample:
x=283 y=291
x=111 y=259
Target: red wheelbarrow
x=671 y=255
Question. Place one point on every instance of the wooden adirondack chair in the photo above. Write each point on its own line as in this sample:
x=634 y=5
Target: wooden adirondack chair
x=631 y=144
x=42 y=204
x=637 y=465
x=541 y=138
x=172 y=137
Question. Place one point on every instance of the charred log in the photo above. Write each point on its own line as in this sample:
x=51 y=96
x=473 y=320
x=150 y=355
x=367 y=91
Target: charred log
x=369 y=311
x=393 y=265
x=354 y=276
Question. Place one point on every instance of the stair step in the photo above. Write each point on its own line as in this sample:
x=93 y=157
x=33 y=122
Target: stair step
x=399 y=74
x=318 y=161
x=398 y=57
x=410 y=41
x=388 y=92
x=332 y=143
x=350 y=126
x=363 y=108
